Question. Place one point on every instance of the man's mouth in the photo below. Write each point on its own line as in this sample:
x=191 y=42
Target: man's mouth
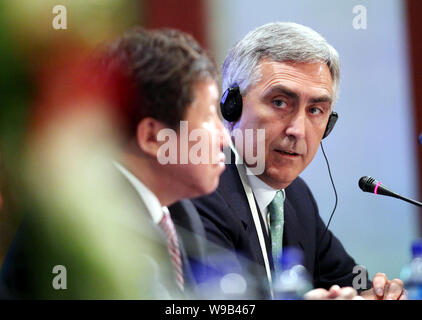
x=287 y=152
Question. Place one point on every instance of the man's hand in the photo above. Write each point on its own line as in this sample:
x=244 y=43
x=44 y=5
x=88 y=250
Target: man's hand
x=335 y=293
x=384 y=289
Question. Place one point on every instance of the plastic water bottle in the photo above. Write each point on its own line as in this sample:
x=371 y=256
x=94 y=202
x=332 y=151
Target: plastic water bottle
x=412 y=273
x=292 y=280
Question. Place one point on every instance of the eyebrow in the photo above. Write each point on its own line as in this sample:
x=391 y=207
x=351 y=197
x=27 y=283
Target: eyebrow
x=293 y=95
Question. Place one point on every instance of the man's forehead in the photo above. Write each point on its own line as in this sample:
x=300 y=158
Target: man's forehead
x=274 y=73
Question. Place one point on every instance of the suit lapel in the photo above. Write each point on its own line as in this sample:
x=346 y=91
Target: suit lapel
x=293 y=234
x=266 y=238
x=233 y=192
x=235 y=196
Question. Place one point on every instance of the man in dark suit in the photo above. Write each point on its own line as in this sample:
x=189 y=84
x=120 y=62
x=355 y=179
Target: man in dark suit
x=281 y=83
x=162 y=87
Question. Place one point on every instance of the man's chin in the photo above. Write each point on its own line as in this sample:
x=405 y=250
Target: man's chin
x=278 y=180
x=202 y=189
x=210 y=188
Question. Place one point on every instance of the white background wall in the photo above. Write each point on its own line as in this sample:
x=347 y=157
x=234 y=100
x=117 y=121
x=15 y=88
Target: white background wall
x=374 y=134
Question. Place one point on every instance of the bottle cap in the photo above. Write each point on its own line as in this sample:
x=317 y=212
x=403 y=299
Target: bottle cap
x=417 y=248
x=290 y=257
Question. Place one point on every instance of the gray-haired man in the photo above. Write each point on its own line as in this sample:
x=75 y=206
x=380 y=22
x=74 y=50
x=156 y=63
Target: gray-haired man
x=281 y=77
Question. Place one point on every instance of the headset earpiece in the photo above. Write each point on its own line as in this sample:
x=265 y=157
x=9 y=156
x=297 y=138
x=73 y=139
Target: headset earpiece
x=231 y=104
x=330 y=125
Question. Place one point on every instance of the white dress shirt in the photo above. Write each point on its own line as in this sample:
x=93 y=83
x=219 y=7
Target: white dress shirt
x=150 y=200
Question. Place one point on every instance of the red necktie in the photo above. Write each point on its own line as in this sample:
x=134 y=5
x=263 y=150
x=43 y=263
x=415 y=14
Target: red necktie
x=173 y=246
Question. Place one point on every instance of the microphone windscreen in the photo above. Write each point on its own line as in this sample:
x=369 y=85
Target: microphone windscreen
x=366 y=184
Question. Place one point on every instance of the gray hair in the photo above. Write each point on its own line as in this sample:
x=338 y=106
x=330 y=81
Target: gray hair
x=278 y=41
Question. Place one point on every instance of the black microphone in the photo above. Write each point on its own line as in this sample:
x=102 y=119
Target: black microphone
x=371 y=185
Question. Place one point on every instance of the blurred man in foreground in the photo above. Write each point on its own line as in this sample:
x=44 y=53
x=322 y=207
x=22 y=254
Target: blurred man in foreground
x=175 y=102
x=161 y=91
x=284 y=78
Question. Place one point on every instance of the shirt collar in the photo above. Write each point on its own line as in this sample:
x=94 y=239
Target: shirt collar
x=150 y=200
x=264 y=194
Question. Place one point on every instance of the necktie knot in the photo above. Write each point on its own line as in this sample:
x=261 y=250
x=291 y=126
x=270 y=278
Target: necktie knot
x=276 y=208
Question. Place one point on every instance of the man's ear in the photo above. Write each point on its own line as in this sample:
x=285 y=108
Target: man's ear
x=146 y=135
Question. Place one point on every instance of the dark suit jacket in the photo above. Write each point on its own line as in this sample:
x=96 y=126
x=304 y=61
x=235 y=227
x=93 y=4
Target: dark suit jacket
x=228 y=222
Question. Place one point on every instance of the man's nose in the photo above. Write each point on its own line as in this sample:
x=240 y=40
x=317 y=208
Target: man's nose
x=296 y=125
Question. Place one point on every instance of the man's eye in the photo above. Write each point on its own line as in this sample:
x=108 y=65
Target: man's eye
x=279 y=103
x=315 y=110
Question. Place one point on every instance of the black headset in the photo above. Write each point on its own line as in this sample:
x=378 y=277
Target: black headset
x=231 y=109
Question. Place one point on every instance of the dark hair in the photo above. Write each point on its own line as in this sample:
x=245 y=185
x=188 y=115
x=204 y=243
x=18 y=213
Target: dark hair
x=155 y=71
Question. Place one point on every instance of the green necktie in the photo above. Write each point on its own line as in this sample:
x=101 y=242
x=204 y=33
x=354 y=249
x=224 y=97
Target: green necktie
x=276 y=209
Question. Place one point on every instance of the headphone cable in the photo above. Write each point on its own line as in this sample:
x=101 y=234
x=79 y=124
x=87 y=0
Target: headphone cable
x=331 y=216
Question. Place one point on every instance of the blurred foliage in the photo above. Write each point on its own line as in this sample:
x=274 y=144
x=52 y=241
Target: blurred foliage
x=60 y=172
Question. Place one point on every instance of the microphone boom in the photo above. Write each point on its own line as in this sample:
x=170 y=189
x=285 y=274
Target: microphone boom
x=371 y=185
